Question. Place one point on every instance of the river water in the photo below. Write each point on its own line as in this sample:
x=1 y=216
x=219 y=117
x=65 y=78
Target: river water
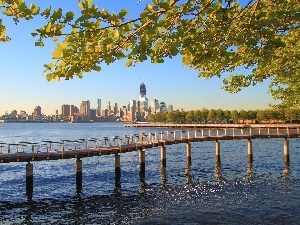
x=235 y=192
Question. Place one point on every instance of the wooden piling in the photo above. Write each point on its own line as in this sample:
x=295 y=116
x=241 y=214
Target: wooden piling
x=78 y=174
x=163 y=175
x=188 y=153
x=163 y=155
x=286 y=150
x=218 y=157
x=117 y=170
x=29 y=178
x=142 y=163
x=250 y=155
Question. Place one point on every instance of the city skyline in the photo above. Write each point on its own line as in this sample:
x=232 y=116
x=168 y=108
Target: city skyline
x=84 y=104
x=23 y=88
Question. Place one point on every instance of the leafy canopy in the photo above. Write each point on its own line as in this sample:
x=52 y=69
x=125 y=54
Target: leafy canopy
x=213 y=37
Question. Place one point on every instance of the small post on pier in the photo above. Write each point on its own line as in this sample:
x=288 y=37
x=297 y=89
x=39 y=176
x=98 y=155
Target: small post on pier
x=78 y=175
x=286 y=151
x=188 y=153
x=117 y=170
x=29 y=179
x=218 y=158
x=163 y=155
x=142 y=164
x=250 y=156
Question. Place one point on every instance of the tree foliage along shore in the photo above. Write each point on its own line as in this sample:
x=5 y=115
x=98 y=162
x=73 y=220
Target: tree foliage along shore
x=251 y=42
x=226 y=116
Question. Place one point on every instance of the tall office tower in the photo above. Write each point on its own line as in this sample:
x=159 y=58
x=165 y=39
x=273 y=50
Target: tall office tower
x=108 y=107
x=143 y=99
x=115 y=111
x=73 y=110
x=85 y=109
x=142 y=90
x=37 y=111
x=98 y=107
x=154 y=106
x=132 y=105
x=163 y=107
x=138 y=103
x=65 y=110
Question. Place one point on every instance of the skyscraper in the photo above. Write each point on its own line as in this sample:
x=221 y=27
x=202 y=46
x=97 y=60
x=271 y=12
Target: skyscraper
x=85 y=109
x=143 y=99
x=98 y=107
x=65 y=110
x=142 y=90
x=154 y=106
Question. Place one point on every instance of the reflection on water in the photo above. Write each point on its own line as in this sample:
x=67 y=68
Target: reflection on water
x=249 y=171
x=163 y=175
x=187 y=173
x=218 y=172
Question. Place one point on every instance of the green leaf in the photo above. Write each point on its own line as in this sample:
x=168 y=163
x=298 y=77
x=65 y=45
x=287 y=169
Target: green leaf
x=96 y=68
x=56 y=14
x=70 y=16
x=34 y=9
x=39 y=44
x=46 y=12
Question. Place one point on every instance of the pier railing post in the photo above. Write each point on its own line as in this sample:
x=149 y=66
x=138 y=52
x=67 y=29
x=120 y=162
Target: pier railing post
x=163 y=155
x=250 y=155
x=218 y=157
x=32 y=149
x=188 y=153
x=286 y=151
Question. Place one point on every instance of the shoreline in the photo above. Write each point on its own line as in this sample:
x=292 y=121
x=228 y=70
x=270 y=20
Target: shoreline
x=214 y=125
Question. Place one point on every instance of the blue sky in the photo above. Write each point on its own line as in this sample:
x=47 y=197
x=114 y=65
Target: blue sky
x=22 y=86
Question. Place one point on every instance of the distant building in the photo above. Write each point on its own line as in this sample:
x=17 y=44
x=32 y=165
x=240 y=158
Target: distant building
x=98 y=107
x=132 y=106
x=37 y=113
x=108 y=107
x=65 y=111
x=85 y=110
x=154 y=106
x=105 y=113
x=93 y=113
x=143 y=99
x=170 y=108
x=142 y=90
x=73 y=110
x=115 y=109
x=163 y=107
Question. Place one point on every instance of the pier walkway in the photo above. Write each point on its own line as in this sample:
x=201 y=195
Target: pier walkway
x=66 y=149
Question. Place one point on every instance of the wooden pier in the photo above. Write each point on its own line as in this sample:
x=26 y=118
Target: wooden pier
x=80 y=148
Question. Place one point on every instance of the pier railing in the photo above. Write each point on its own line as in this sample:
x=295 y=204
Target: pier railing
x=14 y=152
x=65 y=149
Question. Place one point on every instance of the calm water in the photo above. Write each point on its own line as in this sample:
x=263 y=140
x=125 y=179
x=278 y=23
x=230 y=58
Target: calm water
x=265 y=192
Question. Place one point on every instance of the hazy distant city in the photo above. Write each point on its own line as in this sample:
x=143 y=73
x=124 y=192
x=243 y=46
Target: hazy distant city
x=135 y=110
